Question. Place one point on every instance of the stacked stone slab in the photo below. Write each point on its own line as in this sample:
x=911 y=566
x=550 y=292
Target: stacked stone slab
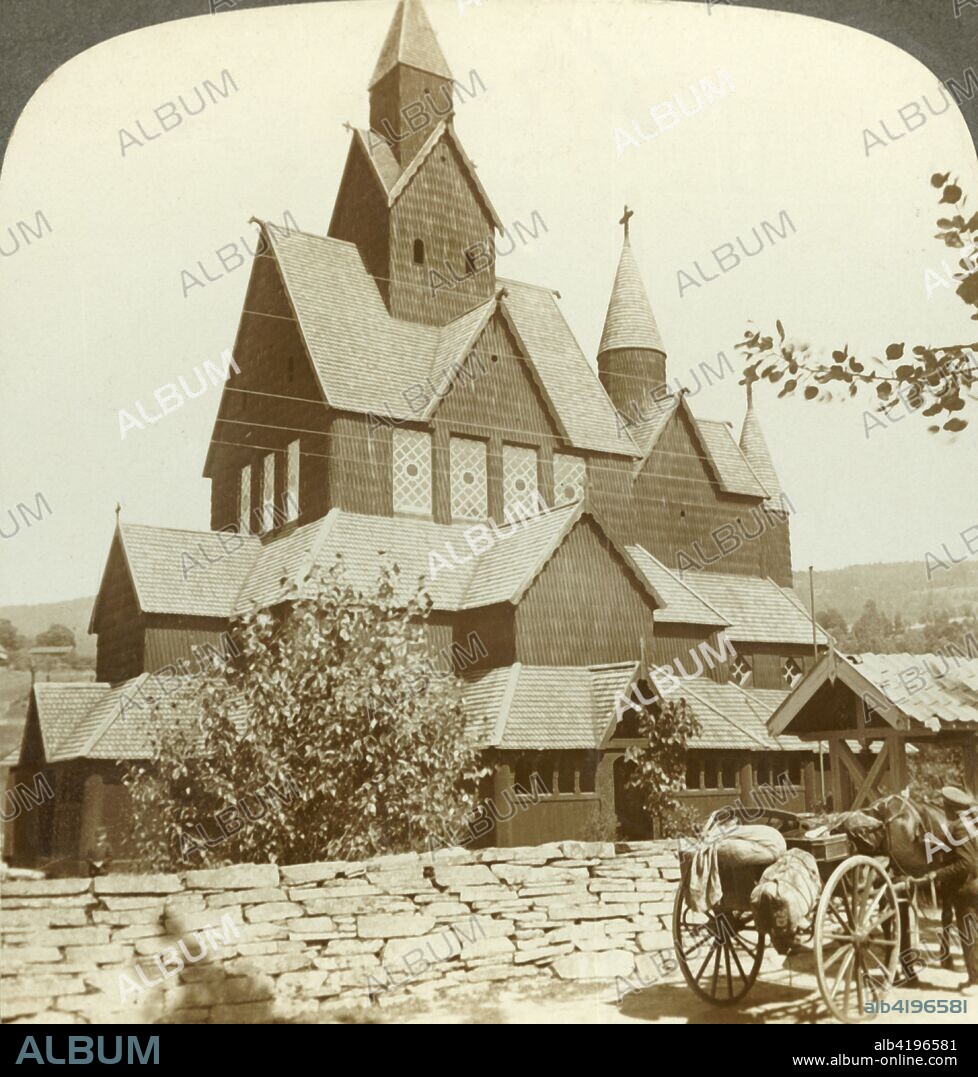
x=309 y=939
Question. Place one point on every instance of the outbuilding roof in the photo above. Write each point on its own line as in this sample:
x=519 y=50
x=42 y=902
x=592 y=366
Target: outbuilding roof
x=922 y=692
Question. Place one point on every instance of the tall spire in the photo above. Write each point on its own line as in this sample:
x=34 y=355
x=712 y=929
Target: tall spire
x=412 y=42
x=753 y=445
x=629 y=322
x=412 y=90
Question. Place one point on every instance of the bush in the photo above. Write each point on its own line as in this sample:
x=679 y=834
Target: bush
x=331 y=721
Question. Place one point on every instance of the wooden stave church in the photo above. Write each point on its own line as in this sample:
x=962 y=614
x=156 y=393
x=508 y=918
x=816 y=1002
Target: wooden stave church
x=323 y=418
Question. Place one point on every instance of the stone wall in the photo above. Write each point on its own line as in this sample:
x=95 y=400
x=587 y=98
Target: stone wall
x=252 y=943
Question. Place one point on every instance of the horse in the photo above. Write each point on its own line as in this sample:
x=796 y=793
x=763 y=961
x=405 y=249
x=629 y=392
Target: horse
x=906 y=824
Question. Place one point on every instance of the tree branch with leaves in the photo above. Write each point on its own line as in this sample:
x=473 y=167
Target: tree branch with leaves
x=935 y=380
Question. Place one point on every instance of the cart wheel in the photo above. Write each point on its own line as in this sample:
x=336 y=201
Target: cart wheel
x=857 y=938
x=719 y=952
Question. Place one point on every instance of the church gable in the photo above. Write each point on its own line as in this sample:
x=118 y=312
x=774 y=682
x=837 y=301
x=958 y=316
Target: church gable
x=117 y=620
x=586 y=606
x=432 y=279
x=677 y=505
x=361 y=214
x=679 y=463
x=272 y=400
x=496 y=387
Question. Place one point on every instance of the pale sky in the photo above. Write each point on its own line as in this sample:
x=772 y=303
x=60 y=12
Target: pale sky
x=94 y=316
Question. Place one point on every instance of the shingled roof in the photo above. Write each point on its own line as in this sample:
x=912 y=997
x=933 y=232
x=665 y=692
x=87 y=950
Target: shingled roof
x=98 y=721
x=545 y=707
x=908 y=691
x=757 y=609
x=262 y=573
x=356 y=323
x=730 y=467
x=629 y=321
x=753 y=445
x=734 y=718
x=682 y=604
x=411 y=41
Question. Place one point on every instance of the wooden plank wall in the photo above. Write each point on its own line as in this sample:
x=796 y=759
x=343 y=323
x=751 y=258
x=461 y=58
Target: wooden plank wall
x=361 y=216
x=273 y=361
x=441 y=184
x=584 y=608
x=120 y=625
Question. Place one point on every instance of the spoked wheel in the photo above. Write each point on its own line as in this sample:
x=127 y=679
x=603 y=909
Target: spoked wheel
x=857 y=938
x=719 y=952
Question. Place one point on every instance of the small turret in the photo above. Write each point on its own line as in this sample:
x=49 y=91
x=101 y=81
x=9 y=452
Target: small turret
x=631 y=355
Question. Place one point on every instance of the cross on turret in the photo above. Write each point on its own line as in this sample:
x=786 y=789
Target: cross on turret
x=626 y=217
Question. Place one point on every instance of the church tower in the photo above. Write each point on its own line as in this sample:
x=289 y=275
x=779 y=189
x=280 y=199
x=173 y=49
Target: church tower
x=631 y=355
x=410 y=197
x=410 y=82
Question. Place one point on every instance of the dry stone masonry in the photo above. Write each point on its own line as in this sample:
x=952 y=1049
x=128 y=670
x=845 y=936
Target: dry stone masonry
x=259 y=942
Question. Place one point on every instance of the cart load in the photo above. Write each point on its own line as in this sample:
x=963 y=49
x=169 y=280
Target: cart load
x=785 y=898
x=728 y=868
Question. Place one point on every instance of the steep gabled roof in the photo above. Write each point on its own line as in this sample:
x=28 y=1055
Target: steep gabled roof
x=947 y=698
x=682 y=605
x=578 y=397
x=753 y=445
x=410 y=41
x=60 y=708
x=723 y=456
x=263 y=573
x=733 y=471
x=445 y=129
x=377 y=150
x=356 y=323
x=758 y=610
x=536 y=707
x=175 y=570
x=629 y=321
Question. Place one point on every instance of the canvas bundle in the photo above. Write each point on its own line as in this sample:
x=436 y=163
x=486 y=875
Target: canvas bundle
x=786 y=896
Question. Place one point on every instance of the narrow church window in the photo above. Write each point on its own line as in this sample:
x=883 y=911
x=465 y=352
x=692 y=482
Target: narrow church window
x=711 y=774
x=419 y=252
x=468 y=475
x=791 y=672
x=519 y=477
x=268 y=492
x=244 y=500
x=412 y=472
x=292 y=481
x=587 y=775
x=565 y=775
x=569 y=475
x=740 y=671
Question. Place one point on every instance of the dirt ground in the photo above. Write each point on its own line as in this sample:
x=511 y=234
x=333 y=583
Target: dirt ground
x=786 y=992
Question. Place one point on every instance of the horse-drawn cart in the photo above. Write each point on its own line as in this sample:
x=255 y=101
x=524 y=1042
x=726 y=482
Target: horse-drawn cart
x=855 y=931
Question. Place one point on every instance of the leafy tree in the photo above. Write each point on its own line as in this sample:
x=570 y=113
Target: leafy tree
x=324 y=700
x=936 y=380
x=835 y=624
x=872 y=629
x=10 y=638
x=55 y=636
x=658 y=766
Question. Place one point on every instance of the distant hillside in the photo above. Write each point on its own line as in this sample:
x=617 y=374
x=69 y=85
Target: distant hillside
x=74 y=614
x=896 y=588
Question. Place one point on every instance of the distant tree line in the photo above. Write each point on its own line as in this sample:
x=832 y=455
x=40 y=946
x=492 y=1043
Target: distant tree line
x=875 y=631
